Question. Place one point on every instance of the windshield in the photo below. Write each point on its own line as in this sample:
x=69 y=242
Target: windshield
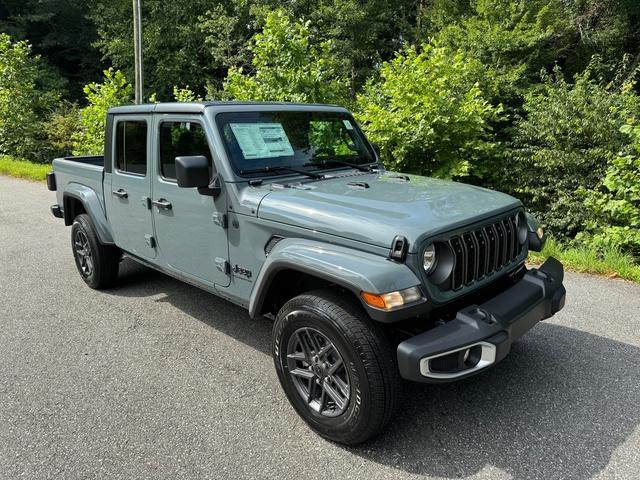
x=269 y=142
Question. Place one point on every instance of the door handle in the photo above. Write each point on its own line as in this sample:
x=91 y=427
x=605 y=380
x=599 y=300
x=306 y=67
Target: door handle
x=162 y=204
x=120 y=193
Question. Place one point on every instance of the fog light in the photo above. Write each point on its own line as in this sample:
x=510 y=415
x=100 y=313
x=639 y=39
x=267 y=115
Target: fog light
x=392 y=300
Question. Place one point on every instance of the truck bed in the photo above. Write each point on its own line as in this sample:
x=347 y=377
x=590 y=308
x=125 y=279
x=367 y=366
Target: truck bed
x=85 y=170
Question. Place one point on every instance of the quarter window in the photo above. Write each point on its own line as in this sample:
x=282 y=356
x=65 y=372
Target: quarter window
x=181 y=139
x=131 y=147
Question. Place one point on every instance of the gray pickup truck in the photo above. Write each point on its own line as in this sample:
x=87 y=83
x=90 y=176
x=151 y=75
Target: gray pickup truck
x=284 y=209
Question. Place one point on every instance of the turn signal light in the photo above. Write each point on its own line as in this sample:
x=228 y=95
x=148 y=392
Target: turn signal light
x=392 y=300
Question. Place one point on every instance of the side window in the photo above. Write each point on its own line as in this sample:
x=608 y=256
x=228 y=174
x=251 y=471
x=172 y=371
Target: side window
x=181 y=139
x=131 y=146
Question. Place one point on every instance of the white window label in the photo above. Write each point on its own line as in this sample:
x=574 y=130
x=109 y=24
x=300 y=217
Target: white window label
x=347 y=124
x=262 y=140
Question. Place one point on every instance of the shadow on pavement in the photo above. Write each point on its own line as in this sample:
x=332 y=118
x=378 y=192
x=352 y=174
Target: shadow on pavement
x=557 y=407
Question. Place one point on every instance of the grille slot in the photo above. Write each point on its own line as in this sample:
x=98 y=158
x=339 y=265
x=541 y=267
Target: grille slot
x=481 y=252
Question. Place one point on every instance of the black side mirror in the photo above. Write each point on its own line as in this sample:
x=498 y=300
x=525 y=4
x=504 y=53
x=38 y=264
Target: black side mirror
x=194 y=172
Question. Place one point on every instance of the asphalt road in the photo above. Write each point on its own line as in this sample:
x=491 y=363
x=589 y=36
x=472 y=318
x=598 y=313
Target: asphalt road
x=157 y=379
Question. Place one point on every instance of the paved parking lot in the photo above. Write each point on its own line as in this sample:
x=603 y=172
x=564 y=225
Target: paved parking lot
x=157 y=379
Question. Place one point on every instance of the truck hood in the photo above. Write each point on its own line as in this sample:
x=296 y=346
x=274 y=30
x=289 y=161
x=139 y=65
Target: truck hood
x=374 y=208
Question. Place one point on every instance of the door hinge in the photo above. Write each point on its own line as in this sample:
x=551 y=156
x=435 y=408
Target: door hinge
x=223 y=265
x=220 y=219
x=151 y=241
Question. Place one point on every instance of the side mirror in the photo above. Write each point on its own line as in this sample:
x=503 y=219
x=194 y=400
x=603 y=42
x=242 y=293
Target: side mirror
x=194 y=172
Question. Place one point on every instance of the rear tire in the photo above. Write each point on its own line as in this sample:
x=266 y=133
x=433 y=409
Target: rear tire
x=344 y=383
x=97 y=263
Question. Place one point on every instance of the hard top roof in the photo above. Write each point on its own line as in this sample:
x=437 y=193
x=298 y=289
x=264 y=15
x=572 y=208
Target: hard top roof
x=199 y=107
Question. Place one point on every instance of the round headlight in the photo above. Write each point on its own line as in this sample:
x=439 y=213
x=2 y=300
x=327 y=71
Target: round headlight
x=429 y=258
x=522 y=228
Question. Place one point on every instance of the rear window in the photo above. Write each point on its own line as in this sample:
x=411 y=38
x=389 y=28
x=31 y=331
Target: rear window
x=131 y=146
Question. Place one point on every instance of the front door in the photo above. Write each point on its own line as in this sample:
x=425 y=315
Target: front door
x=127 y=200
x=189 y=227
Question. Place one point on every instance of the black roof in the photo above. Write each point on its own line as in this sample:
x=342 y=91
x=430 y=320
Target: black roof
x=198 y=107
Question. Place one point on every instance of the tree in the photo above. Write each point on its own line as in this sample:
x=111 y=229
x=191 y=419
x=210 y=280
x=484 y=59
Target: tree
x=615 y=205
x=22 y=105
x=565 y=142
x=427 y=113
x=287 y=65
x=60 y=32
x=175 y=51
x=113 y=91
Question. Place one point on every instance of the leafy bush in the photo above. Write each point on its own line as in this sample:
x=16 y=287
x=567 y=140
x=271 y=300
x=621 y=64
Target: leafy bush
x=60 y=127
x=427 y=113
x=185 y=95
x=616 y=204
x=288 y=66
x=114 y=91
x=566 y=141
x=21 y=102
x=514 y=39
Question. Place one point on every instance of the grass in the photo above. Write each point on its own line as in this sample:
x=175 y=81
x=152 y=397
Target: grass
x=609 y=262
x=23 y=168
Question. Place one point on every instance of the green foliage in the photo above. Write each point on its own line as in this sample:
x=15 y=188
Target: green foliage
x=113 y=91
x=60 y=128
x=427 y=113
x=569 y=136
x=514 y=39
x=21 y=103
x=185 y=95
x=288 y=66
x=616 y=204
x=62 y=34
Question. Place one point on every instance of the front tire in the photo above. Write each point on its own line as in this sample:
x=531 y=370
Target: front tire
x=335 y=365
x=97 y=264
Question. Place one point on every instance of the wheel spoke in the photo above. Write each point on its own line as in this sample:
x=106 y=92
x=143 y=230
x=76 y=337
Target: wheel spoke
x=323 y=400
x=89 y=263
x=334 y=368
x=343 y=387
x=300 y=356
x=313 y=341
x=324 y=350
x=305 y=347
x=302 y=373
x=335 y=396
x=312 y=387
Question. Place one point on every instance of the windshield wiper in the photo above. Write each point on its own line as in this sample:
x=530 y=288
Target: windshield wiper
x=269 y=169
x=332 y=161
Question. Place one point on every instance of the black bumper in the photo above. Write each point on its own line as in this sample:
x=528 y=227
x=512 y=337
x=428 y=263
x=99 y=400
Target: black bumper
x=481 y=335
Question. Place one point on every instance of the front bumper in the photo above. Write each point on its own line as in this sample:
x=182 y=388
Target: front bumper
x=481 y=335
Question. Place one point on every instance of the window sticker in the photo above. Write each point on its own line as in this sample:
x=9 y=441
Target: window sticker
x=262 y=140
x=347 y=124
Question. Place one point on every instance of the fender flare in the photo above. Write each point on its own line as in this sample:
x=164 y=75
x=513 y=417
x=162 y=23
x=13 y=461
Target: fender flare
x=354 y=270
x=92 y=205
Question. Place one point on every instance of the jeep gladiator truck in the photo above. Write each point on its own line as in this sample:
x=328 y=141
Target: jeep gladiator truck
x=284 y=209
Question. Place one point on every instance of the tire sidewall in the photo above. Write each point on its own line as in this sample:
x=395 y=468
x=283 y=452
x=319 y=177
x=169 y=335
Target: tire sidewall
x=355 y=418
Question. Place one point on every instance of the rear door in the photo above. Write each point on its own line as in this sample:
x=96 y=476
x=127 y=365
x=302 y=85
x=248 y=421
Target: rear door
x=189 y=227
x=128 y=199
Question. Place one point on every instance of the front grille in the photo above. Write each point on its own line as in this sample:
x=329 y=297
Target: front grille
x=482 y=252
